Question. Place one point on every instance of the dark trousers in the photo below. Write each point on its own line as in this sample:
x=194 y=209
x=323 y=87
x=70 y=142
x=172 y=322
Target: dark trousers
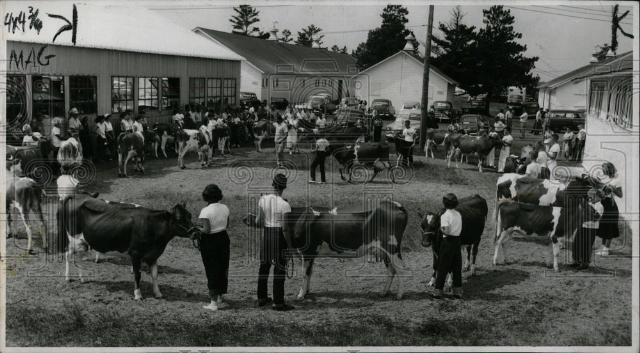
x=214 y=249
x=579 y=149
x=450 y=260
x=272 y=254
x=318 y=160
x=583 y=245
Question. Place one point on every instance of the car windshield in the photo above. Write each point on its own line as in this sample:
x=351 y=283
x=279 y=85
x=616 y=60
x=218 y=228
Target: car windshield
x=411 y=105
x=441 y=105
x=557 y=115
x=379 y=103
x=572 y=115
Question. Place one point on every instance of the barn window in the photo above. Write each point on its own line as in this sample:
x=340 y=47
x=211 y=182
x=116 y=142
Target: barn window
x=229 y=91
x=83 y=94
x=170 y=93
x=148 y=93
x=16 y=103
x=214 y=92
x=121 y=93
x=276 y=82
x=48 y=96
x=197 y=90
x=317 y=83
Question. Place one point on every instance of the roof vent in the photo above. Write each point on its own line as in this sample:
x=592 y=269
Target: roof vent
x=593 y=60
x=410 y=40
x=610 y=53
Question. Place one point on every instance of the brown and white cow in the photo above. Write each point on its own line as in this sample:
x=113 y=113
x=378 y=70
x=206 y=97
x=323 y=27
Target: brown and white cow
x=480 y=146
x=193 y=141
x=130 y=147
x=534 y=220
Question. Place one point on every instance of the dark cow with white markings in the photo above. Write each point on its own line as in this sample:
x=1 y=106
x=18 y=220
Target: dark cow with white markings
x=141 y=232
x=130 y=147
x=368 y=154
x=457 y=144
x=348 y=235
x=527 y=219
x=473 y=210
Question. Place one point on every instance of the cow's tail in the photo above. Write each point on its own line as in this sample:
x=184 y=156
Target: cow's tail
x=401 y=227
x=498 y=220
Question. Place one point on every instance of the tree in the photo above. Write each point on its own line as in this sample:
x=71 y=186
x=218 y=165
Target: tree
x=337 y=49
x=602 y=51
x=500 y=59
x=385 y=40
x=244 y=19
x=456 y=49
x=310 y=35
x=286 y=36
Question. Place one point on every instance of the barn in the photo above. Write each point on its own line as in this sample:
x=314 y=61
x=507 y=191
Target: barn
x=107 y=59
x=399 y=79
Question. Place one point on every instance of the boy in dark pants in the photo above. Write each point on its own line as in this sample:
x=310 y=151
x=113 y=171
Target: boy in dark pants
x=271 y=214
x=321 y=153
x=450 y=259
x=586 y=235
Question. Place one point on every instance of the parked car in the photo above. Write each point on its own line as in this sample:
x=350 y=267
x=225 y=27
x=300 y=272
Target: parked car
x=350 y=102
x=249 y=99
x=472 y=123
x=444 y=111
x=383 y=108
x=559 y=119
x=410 y=110
x=321 y=103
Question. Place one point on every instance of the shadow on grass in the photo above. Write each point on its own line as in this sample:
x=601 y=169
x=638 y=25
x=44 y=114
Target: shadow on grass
x=170 y=293
x=481 y=285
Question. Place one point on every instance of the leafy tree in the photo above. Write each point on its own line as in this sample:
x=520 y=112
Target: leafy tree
x=310 y=35
x=337 y=49
x=385 y=40
x=456 y=49
x=243 y=22
x=285 y=36
x=500 y=59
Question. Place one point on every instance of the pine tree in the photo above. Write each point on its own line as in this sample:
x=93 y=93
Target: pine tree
x=385 y=40
x=310 y=35
x=244 y=19
x=286 y=36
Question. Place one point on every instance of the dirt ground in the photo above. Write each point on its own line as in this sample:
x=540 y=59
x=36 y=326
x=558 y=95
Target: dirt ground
x=522 y=302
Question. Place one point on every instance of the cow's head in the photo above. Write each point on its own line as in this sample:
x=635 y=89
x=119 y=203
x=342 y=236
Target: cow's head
x=430 y=227
x=182 y=220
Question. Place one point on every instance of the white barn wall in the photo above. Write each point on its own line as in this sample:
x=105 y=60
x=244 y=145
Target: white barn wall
x=250 y=79
x=400 y=80
x=571 y=95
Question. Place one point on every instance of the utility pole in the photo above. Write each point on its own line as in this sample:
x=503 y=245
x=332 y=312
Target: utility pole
x=425 y=82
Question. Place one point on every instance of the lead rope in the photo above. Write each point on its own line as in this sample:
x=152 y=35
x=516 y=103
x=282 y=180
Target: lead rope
x=291 y=266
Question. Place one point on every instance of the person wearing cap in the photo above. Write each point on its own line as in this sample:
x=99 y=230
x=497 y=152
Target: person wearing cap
x=214 y=245
x=505 y=151
x=581 y=137
x=280 y=138
x=450 y=259
x=321 y=148
x=74 y=124
x=272 y=209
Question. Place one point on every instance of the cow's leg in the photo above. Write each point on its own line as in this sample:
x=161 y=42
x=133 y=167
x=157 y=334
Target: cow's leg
x=126 y=161
x=74 y=244
x=163 y=144
x=391 y=272
x=308 y=269
x=136 y=262
x=398 y=267
x=154 y=278
x=119 y=164
x=555 y=245
x=466 y=260
x=8 y=210
x=474 y=253
x=97 y=256
x=43 y=235
x=498 y=245
x=26 y=226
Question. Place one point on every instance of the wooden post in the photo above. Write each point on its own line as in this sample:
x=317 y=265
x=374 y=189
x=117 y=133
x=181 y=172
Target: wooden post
x=425 y=82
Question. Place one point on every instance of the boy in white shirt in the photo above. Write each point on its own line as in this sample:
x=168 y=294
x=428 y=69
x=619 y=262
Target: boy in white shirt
x=409 y=134
x=505 y=151
x=450 y=259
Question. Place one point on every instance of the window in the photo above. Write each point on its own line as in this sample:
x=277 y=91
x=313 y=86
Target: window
x=170 y=93
x=214 y=92
x=265 y=83
x=16 y=104
x=82 y=94
x=596 y=97
x=121 y=93
x=276 y=82
x=197 y=91
x=229 y=91
x=619 y=110
x=317 y=83
x=148 y=93
x=48 y=96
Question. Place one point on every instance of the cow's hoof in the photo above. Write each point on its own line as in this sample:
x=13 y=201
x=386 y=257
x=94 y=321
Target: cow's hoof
x=183 y=167
x=160 y=296
x=31 y=252
x=384 y=294
x=399 y=296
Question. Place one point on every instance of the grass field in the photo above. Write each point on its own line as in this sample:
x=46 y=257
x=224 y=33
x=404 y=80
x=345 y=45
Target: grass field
x=520 y=303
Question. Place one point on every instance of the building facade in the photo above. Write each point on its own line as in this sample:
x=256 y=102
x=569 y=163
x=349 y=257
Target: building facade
x=48 y=74
x=276 y=71
x=613 y=131
x=399 y=79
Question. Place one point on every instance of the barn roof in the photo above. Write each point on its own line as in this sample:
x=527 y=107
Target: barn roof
x=613 y=63
x=115 y=27
x=275 y=57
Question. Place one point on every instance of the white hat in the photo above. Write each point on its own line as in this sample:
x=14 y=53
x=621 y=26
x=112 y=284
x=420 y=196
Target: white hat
x=73 y=110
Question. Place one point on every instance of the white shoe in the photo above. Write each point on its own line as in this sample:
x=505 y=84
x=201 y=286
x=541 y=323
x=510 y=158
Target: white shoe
x=212 y=306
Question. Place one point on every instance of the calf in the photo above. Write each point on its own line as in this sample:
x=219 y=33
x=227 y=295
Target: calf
x=193 y=141
x=371 y=154
x=138 y=231
x=473 y=210
x=26 y=196
x=527 y=219
x=262 y=130
x=130 y=147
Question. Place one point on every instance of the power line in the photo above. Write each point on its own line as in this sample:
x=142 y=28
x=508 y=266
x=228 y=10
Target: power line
x=587 y=9
x=568 y=11
x=558 y=14
x=213 y=7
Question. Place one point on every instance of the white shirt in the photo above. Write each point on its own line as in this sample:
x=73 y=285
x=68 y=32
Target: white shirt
x=533 y=169
x=101 y=130
x=66 y=186
x=178 y=118
x=555 y=148
x=281 y=132
x=107 y=126
x=594 y=223
x=524 y=117
x=322 y=144
x=55 y=140
x=218 y=216
x=409 y=134
x=137 y=127
x=500 y=116
x=451 y=223
x=321 y=122
x=126 y=125
x=27 y=140
x=273 y=207
x=582 y=134
x=507 y=140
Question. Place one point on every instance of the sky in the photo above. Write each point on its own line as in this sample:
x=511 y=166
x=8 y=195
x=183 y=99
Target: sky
x=563 y=36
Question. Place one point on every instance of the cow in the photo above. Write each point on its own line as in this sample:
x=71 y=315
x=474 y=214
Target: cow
x=140 y=232
x=33 y=159
x=435 y=137
x=262 y=130
x=457 y=144
x=152 y=141
x=348 y=234
x=166 y=134
x=130 y=146
x=25 y=195
x=193 y=141
x=473 y=210
x=403 y=148
x=543 y=192
x=373 y=154
x=527 y=219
